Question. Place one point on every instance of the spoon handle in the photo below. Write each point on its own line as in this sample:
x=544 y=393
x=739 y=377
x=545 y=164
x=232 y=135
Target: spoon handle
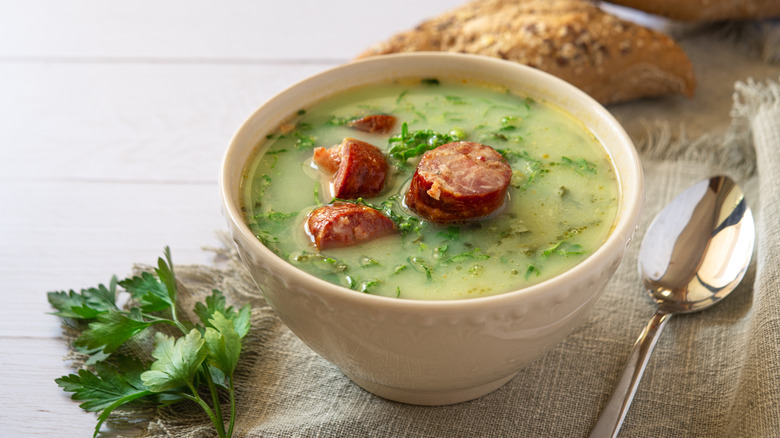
x=614 y=412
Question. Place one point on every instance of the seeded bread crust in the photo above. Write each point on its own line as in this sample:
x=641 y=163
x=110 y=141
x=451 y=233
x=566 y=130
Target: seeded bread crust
x=611 y=59
x=707 y=10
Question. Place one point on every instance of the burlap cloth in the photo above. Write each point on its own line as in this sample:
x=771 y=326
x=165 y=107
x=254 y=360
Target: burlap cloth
x=713 y=374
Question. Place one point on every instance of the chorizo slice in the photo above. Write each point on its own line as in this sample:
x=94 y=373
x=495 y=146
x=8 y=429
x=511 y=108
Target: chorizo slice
x=360 y=168
x=373 y=124
x=328 y=159
x=346 y=224
x=458 y=182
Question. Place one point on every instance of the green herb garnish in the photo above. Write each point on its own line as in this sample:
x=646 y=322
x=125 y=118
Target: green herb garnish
x=304 y=141
x=456 y=100
x=420 y=265
x=532 y=270
x=579 y=165
x=204 y=353
x=525 y=166
x=407 y=144
x=452 y=233
x=366 y=286
x=474 y=254
x=340 y=121
x=324 y=263
x=267 y=225
x=366 y=261
x=563 y=248
x=400 y=268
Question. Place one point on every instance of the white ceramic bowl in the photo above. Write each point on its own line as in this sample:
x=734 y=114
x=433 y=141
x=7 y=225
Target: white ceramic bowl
x=432 y=352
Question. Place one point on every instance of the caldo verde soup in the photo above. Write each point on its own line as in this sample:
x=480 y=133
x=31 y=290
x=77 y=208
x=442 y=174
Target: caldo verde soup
x=559 y=207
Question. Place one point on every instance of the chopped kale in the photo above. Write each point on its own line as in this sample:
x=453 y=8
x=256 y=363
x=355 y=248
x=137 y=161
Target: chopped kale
x=411 y=144
x=420 y=265
x=579 y=165
x=322 y=262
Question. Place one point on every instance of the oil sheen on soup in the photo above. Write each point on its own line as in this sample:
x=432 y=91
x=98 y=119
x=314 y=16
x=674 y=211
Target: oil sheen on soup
x=560 y=204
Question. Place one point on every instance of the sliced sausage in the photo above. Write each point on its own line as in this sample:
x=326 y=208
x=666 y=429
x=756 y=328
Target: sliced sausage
x=458 y=182
x=360 y=168
x=328 y=159
x=374 y=124
x=346 y=224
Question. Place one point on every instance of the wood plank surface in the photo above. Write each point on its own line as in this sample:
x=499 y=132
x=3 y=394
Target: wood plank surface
x=220 y=31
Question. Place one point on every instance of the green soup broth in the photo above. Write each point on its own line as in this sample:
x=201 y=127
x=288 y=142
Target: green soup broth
x=561 y=203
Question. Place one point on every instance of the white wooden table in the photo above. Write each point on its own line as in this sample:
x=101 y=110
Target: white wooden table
x=113 y=120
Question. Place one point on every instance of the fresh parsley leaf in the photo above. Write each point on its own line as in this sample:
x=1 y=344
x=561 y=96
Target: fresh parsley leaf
x=150 y=292
x=241 y=321
x=87 y=304
x=223 y=344
x=102 y=388
x=112 y=380
x=112 y=329
x=177 y=361
x=216 y=303
x=165 y=274
x=96 y=355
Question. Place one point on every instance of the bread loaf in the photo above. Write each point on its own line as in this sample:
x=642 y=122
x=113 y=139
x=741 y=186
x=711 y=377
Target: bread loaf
x=611 y=59
x=706 y=10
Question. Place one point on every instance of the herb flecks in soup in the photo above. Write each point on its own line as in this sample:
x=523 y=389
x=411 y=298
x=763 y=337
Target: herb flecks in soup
x=559 y=205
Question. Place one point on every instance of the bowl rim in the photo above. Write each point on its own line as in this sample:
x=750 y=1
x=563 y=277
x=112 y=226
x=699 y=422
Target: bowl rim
x=624 y=227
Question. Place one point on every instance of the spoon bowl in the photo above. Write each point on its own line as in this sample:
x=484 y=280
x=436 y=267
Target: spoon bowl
x=698 y=248
x=694 y=253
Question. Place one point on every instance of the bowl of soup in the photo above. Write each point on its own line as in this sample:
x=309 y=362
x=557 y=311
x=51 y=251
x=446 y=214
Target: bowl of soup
x=431 y=222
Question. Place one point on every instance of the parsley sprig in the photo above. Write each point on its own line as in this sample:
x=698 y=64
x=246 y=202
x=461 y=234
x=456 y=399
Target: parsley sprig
x=206 y=353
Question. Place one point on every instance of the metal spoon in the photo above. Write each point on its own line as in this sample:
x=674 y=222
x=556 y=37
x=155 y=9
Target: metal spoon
x=694 y=253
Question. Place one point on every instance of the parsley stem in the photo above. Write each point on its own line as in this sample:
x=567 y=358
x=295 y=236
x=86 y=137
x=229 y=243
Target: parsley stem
x=196 y=398
x=214 y=399
x=155 y=320
x=110 y=408
x=176 y=320
x=232 y=407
